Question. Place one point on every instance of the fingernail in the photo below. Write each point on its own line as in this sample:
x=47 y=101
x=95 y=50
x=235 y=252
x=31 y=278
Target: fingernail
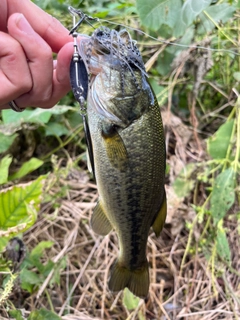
x=23 y=24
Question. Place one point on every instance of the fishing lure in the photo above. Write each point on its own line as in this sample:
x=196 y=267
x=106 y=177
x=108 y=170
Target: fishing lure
x=79 y=77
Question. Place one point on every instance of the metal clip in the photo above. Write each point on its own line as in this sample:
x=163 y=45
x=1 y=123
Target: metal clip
x=83 y=17
x=78 y=71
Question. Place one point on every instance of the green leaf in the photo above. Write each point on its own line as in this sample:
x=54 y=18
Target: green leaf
x=74 y=119
x=223 y=195
x=218 y=13
x=218 y=144
x=60 y=109
x=4 y=167
x=56 y=129
x=130 y=301
x=158 y=90
x=6 y=141
x=184 y=183
x=187 y=37
x=30 y=281
x=26 y=168
x=222 y=243
x=37 y=252
x=3 y=243
x=29 y=277
x=43 y=314
x=10 y=128
x=164 y=61
x=56 y=277
x=19 y=203
x=189 y=11
x=236 y=75
x=154 y=13
x=34 y=258
x=47 y=268
x=17 y=314
x=38 y=115
x=192 y=8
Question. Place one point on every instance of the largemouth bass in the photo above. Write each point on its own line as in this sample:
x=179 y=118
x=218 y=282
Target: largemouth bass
x=128 y=150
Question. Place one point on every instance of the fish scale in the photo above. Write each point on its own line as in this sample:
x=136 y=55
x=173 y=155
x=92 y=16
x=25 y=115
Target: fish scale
x=146 y=163
x=129 y=154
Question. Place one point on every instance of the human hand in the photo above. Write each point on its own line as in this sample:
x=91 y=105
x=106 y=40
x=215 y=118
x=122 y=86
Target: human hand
x=28 y=74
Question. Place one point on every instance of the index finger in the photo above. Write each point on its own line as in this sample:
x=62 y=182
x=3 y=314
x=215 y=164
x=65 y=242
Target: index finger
x=48 y=27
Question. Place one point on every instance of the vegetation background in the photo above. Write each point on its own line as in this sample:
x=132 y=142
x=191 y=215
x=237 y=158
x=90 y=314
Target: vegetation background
x=57 y=268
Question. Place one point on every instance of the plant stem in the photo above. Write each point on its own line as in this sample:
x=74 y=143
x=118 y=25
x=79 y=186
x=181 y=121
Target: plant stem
x=220 y=29
x=236 y=160
x=63 y=144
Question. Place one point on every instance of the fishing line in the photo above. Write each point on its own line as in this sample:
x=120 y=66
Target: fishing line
x=86 y=18
x=168 y=42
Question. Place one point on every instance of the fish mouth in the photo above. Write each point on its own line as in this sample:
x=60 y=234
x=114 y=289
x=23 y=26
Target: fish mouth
x=117 y=49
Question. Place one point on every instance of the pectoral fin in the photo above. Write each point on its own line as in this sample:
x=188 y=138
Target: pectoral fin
x=99 y=221
x=161 y=217
x=116 y=150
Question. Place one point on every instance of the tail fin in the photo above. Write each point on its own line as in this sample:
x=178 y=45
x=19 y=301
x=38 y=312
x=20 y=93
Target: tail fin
x=137 y=281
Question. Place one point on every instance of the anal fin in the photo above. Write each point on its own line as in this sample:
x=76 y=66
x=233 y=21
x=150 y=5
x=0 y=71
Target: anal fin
x=161 y=217
x=99 y=221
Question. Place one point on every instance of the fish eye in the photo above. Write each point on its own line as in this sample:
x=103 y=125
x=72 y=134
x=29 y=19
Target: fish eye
x=99 y=33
